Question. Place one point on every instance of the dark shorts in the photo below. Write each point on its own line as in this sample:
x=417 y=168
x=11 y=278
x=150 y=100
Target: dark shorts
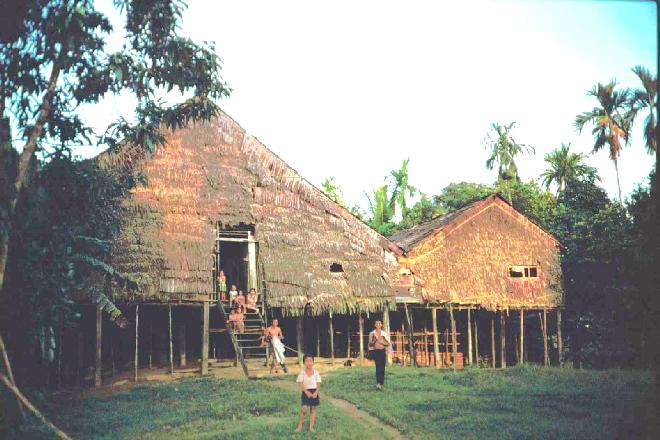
x=306 y=401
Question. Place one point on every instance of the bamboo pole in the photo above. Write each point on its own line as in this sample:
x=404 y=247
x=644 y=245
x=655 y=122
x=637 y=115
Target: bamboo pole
x=205 y=339
x=425 y=352
x=170 y=339
x=502 y=340
x=492 y=339
x=348 y=340
x=560 y=345
x=546 y=360
x=361 y=331
x=454 y=347
x=135 y=356
x=386 y=325
x=332 y=339
x=99 y=342
x=476 y=340
x=469 y=336
x=436 y=349
x=318 y=339
x=299 y=339
x=447 y=358
x=10 y=373
x=21 y=398
x=521 y=358
x=403 y=344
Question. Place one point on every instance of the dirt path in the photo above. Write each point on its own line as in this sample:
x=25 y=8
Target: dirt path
x=374 y=428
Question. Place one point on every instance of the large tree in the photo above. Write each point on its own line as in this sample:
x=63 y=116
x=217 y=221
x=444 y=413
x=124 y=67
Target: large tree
x=644 y=99
x=54 y=64
x=611 y=125
x=565 y=166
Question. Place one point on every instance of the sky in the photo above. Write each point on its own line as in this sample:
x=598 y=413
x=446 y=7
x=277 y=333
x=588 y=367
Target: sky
x=349 y=89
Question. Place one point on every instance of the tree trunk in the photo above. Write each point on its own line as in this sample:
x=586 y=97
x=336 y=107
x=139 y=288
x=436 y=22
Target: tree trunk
x=618 y=184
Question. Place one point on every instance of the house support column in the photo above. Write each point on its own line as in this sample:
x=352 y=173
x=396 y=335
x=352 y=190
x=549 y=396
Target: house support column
x=560 y=344
x=137 y=340
x=252 y=265
x=205 y=339
x=169 y=321
x=544 y=332
x=361 y=330
x=454 y=346
x=99 y=340
x=521 y=358
x=331 y=330
x=476 y=340
x=436 y=348
x=411 y=333
x=386 y=325
x=299 y=339
x=318 y=339
x=502 y=340
x=469 y=337
x=492 y=339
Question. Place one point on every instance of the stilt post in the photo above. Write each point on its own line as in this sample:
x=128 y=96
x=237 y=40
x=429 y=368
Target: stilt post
x=560 y=343
x=169 y=316
x=411 y=336
x=99 y=339
x=436 y=349
x=331 y=330
x=299 y=339
x=386 y=326
x=521 y=359
x=469 y=336
x=136 y=353
x=318 y=339
x=476 y=341
x=205 y=339
x=454 y=347
x=492 y=339
x=544 y=324
x=361 y=330
x=502 y=340
x=348 y=340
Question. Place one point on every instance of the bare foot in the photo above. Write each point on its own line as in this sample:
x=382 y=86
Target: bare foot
x=311 y=430
x=298 y=429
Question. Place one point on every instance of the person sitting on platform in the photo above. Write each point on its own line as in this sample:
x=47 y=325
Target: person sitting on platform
x=240 y=300
x=239 y=324
x=252 y=300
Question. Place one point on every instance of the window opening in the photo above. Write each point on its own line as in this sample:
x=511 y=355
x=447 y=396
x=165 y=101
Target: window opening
x=336 y=268
x=522 y=272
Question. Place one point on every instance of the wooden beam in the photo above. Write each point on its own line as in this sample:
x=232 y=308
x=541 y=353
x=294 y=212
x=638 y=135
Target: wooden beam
x=469 y=337
x=205 y=339
x=521 y=358
x=169 y=320
x=99 y=340
x=299 y=339
x=136 y=353
x=476 y=340
x=436 y=348
x=560 y=344
x=386 y=326
x=361 y=330
x=492 y=339
x=454 y=347
x=502 y=340
x=331 y=330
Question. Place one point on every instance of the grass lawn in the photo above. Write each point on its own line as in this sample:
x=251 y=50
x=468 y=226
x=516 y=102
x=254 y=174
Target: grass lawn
x=192 y=409
x=519 y=402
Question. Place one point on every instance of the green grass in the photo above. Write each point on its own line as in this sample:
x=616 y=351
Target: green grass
x=520 y=402
x=193 y=409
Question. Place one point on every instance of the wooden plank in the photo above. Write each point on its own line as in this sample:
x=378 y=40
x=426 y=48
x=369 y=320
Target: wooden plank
x=436 y=348
x=99 y=340
x=205 y=339
x=136 y=353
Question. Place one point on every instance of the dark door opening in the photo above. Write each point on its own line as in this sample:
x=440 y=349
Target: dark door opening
x=234 y=263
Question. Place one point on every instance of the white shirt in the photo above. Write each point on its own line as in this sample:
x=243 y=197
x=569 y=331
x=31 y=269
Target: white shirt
x=309 y=382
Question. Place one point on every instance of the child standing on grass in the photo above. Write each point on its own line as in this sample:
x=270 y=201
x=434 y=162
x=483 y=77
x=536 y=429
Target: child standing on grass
x=309 y=381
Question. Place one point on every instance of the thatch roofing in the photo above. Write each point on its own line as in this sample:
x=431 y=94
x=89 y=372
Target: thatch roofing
x=464 y=258
x=216 y=172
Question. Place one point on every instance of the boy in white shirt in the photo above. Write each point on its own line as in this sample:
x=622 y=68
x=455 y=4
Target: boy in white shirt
x=309 y=381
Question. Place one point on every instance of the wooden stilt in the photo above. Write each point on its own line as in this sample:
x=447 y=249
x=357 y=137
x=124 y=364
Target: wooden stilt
x=492 y=339
x=318 y=338
x=411 y=336
x=299 y=339
x=426 y=361
x=469 y=337
x=454 y=347
x=521 y=357
x=99 y=339
x=436 y=349
x=361 y=331
x=403 y=343
x=181 y=343
x=151 y=343
x=502 y=340
x=447 y=359
x=135 y=354
x=205 y=339
x=386 y=326
x=169 y=320
x=476 y=340
x=348 y=340
x=544 y=332
x=560 y=344
x=331 y=330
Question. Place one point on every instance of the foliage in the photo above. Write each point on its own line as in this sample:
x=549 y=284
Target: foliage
x=519 y=402
x=425 y=209
x=332 y=191
x=565 y=166
x=379 y=208
x=399 y=186
x=457 y=195
x=644 y=99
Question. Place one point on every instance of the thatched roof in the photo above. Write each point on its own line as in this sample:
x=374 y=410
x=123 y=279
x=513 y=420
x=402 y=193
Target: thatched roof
x=464 y=258
x=217 y=172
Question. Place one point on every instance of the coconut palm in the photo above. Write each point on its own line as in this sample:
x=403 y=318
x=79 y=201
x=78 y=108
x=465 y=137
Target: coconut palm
x=503 y=151
x=610 y=121
x=379 y=207
x=645 y=99
x=565 y=166
x=400 y=186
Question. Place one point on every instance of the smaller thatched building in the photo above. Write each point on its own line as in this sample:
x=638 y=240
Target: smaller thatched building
x=483 y=259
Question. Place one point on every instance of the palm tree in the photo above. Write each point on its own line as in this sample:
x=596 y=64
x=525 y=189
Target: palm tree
x=611 y=124
x=503 y=151
x=565 y=166
x=379 y=207
x=645 y=99
x=399 y=187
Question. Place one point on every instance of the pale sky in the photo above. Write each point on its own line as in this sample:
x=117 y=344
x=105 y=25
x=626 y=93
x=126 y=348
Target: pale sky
x=349 y=89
